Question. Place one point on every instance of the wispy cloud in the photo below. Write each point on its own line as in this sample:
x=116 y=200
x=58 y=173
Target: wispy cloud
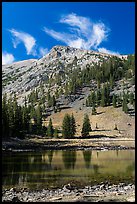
x=43 y=51
x=83 y=33
x=104 y=50
x=28 y=41
x=7 y=58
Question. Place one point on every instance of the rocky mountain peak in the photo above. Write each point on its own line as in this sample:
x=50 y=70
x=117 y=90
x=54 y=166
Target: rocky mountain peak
x=24 y=76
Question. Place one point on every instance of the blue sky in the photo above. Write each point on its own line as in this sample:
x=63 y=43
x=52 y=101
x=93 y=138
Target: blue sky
x=31 y=29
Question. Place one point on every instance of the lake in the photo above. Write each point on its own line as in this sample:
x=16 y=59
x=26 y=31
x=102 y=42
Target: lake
x=55 y=168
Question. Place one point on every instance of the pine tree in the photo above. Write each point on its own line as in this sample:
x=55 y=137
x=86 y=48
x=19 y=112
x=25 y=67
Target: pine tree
x=98 y=97
x=50 y=130
x=86 y=126
x=124 y=104
x=18 y=122
x=108 y=94
x=26 y=119
x=53 y=101
x=11 y=117
x=94 y=112
x=5 y=117
x=119 y=100
x=66 y=133
x=131 y=98
x=39 y=119
x=93 y=98
x=72 y=125
x=103 y=100
x=50 y=100
x=56 y=133
x=114 y=99
x=111 y=81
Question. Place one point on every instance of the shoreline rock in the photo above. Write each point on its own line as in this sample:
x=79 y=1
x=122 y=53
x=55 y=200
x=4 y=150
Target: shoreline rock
x=103 y=192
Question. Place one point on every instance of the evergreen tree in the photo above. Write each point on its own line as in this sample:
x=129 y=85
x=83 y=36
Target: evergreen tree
x=20 y=123
x=131 y=98
x=89 y=101
x=66 y=133
x=94 y=112
x=98 y=97
x=86 y=126
x=66 y=90
x=11 y=117
x=26 y=119
x=16 y=115
x=108 y=94
x=25 y=101
x=87 y=104
x=39 y=119
x=93 y=98
x=50 y=130
x=53 y=101
x=50 y=100
x=111 y=81
x=56 y=133
x=114 y=99
x=119 y=100
x=103 y=98
x=72 y=125
x=124 y=104
x=5 y=117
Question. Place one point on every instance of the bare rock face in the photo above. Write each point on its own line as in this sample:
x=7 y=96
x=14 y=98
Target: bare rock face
x=24 y=76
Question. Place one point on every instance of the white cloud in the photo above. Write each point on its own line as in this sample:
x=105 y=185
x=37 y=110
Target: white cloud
x=64 y=37
x=83 y=33
x=80 y=23
x=7 y=58
x=42 y=51
x=104 y=50
x=99 y=34
x=28 y=41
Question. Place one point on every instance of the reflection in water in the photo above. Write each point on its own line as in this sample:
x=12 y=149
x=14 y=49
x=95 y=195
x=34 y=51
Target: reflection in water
x=96 y=168
x=117 y=152
x=58 y=167
x=50 y=155
x=131 y=168
x=97 y=154
x=69 y=159
x=87 y=157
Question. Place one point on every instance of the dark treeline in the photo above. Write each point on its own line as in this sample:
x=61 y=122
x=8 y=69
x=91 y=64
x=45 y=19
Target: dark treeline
x=102 y=97
x=20 y=120
x=17 y=121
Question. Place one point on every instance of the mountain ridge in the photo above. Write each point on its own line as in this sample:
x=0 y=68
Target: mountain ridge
x=24 y=75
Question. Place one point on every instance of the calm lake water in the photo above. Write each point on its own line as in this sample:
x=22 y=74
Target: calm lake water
x=49 y=169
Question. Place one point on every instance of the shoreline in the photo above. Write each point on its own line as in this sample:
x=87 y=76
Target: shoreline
x=103 y=192
x=40 y=144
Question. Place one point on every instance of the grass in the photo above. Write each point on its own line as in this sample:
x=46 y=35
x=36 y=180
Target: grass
x=106 y=119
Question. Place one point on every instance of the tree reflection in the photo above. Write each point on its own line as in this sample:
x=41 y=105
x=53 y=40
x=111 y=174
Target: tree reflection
x=131 y=168
x=97 y=154
x=50 y=155
x=69 y=159
x=117 y=152
x=87 y=158
x=96 y=168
